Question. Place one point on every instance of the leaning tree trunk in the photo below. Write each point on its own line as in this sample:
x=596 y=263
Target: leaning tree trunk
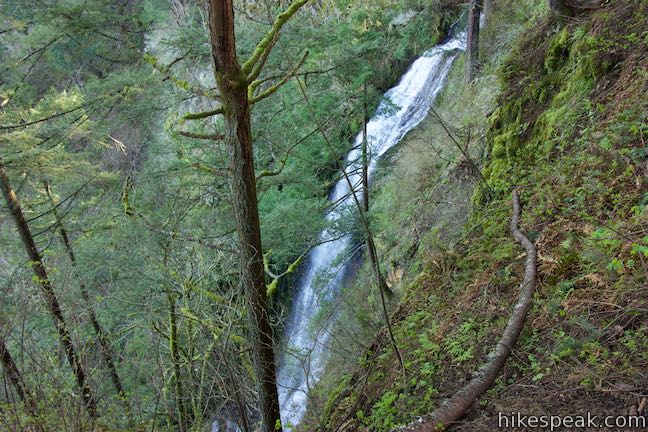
x=233 y=86
x=365 y=155
x=47 y=291
x=13 y=373
x=383 y=288
x=472 y=44
x=371 y=247
x=104 y=343
x=18 y=382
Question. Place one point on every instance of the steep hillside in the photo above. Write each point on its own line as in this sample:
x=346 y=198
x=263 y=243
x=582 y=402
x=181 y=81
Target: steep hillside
x=569 y=130
x=176 y=254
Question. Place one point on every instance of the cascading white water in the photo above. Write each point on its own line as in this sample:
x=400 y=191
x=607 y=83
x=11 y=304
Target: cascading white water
x=403 y=108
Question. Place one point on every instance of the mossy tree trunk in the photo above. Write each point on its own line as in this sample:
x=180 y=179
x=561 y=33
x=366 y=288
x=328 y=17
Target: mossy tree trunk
x=233 y=85
x=238 y=87
x=43 y=281
x=472 y=44
x=181 y=410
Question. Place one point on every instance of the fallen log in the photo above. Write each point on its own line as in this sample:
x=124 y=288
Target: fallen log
x=456 y=406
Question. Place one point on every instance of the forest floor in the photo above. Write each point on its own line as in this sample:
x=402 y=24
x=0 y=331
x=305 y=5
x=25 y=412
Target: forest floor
x=569 y=129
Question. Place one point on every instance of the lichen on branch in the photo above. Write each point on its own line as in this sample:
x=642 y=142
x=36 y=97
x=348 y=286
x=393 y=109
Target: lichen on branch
x=266 y=44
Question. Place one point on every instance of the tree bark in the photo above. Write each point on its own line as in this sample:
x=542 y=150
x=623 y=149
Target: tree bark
x=455 y=407
x=371 y=247
x=13 y=373
x=181 y=411
x=561 y=8
x=488 y=10
x=365 y=157
x=233 y=87
x=98 y=329
x=15 y=377
x=47 y=291
x=472 y=44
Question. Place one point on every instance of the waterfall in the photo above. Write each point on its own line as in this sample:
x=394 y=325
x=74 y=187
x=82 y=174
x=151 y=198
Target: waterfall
x=402 y=108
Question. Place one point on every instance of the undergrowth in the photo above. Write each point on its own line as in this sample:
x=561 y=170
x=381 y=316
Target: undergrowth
x=568 y=129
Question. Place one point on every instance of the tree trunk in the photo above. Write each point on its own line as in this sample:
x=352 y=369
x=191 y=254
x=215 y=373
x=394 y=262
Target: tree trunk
x=365 y=158
x=472 y=44
x=12 y=372
x=233 y=87
x=371 y=249
x=15 y=377
x=101 y=335
x=47 y=291
x=561 y=7
x=181 y=411
x=488 y=10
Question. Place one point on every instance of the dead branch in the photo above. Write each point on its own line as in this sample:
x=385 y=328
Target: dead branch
x=455 y=407
x=464 y=151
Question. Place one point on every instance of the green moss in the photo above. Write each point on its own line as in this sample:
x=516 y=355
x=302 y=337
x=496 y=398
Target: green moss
x=517 y=136
x=558 y=51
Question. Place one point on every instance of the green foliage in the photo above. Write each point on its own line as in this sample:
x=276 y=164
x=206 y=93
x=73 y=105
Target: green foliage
x=383 y=413
x=93 y=95
x=569 y=132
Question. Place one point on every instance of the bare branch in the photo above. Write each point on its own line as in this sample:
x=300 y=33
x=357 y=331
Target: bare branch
x=60 y=203
x=177 y=235
x=41 y=120
x=61 y=113
x=304 y=74
x=210 y=170
x=455 y=407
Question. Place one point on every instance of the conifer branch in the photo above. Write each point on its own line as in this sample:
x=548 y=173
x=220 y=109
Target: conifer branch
x=211 y=137
x=273 y=89
x=203 y=114
x=265 y=46
x=183 y=84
